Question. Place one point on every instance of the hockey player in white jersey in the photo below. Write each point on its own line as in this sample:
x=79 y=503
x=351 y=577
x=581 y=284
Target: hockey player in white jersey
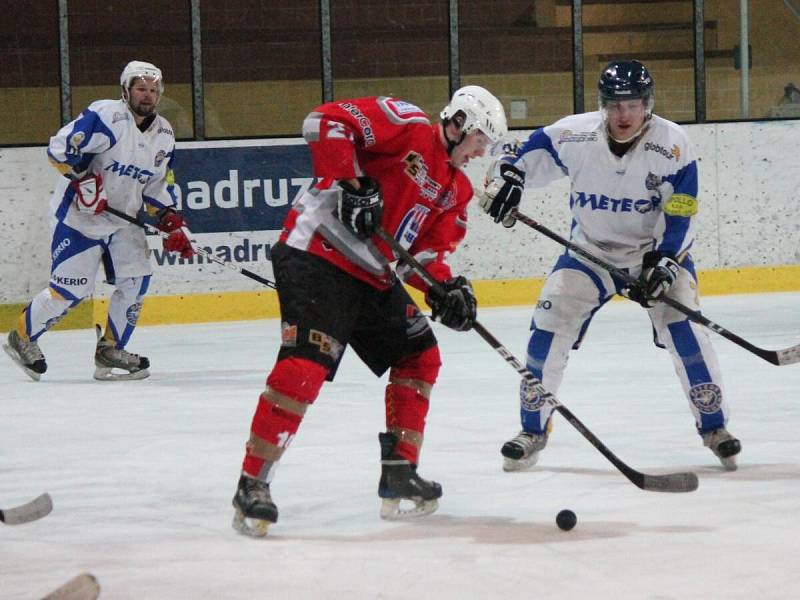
x=117 y=153
x=634 y=185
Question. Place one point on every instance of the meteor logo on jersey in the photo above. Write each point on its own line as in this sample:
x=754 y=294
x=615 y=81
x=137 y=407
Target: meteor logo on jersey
x=624 y=205
x=669 y=154
x=160 y=156
x=132 y=171
x=418 y=171
x=412 y=222
x=707 y=397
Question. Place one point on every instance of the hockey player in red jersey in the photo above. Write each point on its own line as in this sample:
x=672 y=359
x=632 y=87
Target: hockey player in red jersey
x=381 y=162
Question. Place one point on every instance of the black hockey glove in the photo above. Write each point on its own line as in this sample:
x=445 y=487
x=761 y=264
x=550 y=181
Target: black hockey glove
x=361 y=209
x=457 y=308
x=659 y=272
x=504 y=193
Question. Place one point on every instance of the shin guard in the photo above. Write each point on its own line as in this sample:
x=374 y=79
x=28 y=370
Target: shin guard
x=407 y=402
x=293 y=385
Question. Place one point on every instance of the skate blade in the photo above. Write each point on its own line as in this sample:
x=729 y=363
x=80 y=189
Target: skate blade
x=250 y=527
x=391 y=510
x=108 y=374
x=523 y=464
x=729 y=463
x=18 y=361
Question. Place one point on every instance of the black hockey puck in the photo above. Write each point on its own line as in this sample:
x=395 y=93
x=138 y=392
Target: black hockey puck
x=566 y=519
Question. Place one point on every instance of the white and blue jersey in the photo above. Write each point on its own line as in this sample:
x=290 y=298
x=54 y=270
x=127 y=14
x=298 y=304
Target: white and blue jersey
x=621 y=208
x=136 y=166
x=136 y=169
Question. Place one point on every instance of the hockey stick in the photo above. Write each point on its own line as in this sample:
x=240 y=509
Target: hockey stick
x=80 y=587
x=783 y=357
x=200 y=251
x=671 y=482
x=30 y=511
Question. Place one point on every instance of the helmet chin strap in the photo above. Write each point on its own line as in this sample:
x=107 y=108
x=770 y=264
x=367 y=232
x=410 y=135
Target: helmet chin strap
x=450 y=143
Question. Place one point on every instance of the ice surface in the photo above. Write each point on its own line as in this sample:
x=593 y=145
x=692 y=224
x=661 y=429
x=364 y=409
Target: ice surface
x=142 y=473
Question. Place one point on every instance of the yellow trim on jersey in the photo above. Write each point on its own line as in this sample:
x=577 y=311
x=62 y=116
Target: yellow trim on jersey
x=681 y=205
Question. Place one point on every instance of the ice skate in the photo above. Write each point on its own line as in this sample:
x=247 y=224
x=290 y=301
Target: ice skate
x=255 y=510
x=27 y=355
x=108 y=357
x=522 y=452
x=724 y=446
x=400 y=481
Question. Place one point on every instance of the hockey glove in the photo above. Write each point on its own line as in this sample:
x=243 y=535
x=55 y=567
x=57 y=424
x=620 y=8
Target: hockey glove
x=361 y=209
x=457 y=308
x=659 y=272
x=504 y=193
x=90 y=197
x=178 y=240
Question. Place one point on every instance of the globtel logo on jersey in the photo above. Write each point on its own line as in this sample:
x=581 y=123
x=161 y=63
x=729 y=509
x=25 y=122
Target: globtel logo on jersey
x=132 y=171
x=623 y=205
x=675 y=152
x=363 y=122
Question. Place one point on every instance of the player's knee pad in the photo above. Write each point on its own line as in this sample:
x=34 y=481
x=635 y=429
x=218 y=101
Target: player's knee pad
x=297 y=378
x=423 y=367
x=566 y=302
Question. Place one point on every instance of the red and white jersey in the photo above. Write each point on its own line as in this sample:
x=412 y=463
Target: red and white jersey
x=425 y=197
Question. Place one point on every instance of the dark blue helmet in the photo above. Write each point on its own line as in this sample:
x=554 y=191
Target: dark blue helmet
x=625 y=80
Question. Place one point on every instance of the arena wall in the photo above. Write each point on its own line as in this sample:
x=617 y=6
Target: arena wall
x=235 y=194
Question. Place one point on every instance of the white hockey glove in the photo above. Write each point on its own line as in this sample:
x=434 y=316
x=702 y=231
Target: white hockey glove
x=457 y=308
x=659 y=272
x=504 y=193
x=361 y=209
x=90 y=197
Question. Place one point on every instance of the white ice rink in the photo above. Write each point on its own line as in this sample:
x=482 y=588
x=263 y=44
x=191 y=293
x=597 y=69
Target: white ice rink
x=142 y=473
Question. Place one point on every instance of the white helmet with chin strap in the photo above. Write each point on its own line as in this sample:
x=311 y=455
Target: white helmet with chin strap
x=138 y=68
x=481 y=110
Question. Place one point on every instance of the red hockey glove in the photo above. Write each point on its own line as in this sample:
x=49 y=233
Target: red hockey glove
x=178 y=241
x=90 y=197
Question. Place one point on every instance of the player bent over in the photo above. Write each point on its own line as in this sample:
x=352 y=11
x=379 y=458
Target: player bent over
x=117 y=153
x=381 y=162
x=633 y=197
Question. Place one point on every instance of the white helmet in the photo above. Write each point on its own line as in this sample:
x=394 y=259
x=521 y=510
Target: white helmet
x=482 y=111
x=137 y=68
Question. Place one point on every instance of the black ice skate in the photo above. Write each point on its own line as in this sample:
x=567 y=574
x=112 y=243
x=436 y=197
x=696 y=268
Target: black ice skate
x=255 y=510
x=724 y=446
x=108 y=357
x=400 y=481
x=27 y=355
x=522 y=452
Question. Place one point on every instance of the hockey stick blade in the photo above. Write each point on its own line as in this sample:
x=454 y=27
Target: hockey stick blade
x=80 y=587
x=788 y=356
x=675 y=482
x=25 y=513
